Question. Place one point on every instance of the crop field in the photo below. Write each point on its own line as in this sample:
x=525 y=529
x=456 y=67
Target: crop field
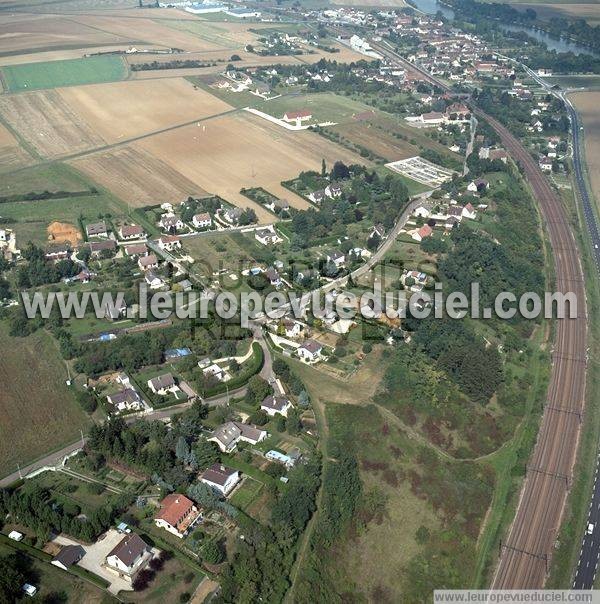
x=39 y=412
x=46 y=121
x=128 y=109
x=71 y=72
x=137 y=177
x=12 y=155
x=589 y=11
x=237 y=151
x=586 y=104
x=29 y=33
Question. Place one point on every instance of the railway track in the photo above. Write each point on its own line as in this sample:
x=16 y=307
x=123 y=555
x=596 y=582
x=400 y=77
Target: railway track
x=526 y=554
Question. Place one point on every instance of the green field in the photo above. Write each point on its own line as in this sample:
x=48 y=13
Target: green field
x=39 y=413
x=71 y=72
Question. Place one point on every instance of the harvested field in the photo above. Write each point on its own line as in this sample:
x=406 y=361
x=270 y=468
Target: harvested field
x=39 y=413
x=71 y=72
x=41 y=32
x=64 y=232
x=166 y=33
x=586 y=104
x=588 y=11
x=45 y=120
x=137 y=177
x=242 y=150
x=124 y=110
x=11 y=154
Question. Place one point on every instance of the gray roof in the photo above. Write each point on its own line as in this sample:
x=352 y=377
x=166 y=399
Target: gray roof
x=127 y=396
x=163 y=381
x=69 y=555
x=218 y=474
x=278 y=403
x=129 y=549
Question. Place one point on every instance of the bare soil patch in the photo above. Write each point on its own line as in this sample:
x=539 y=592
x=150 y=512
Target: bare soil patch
x=137 y=177
x=227 y=153
x=123 y=110
x=586 y=104
x=46 y=121
x=64 y=232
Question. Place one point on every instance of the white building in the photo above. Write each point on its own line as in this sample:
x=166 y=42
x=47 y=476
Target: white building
x=221 y=478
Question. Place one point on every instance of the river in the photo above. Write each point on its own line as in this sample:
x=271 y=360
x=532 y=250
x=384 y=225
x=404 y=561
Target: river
x=431 y=7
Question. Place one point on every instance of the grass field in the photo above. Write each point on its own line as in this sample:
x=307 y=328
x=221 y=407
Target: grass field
x=576 y=81
x=51 y=582
x=72 y=72
x=39 y=413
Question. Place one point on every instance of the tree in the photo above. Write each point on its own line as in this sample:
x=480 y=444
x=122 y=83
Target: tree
x=258 y=390
x=206 y=453
x=323 y=167
x=340 y=171
x=182 y=450
x=293 y=423
x=11 y=579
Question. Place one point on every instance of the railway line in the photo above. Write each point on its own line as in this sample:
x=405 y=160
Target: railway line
x=526 y=553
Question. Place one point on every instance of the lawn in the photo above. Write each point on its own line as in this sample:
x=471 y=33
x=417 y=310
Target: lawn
x=50 y=177
x=247 y=493
x=70 y=72
x=39 y=412
x=55 y=585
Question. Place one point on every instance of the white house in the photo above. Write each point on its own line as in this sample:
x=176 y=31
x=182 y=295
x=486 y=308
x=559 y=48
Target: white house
x=221 y=478
x=469 y=212
x=177 y=514
x=153 y=280
x=148 y=262
x=546 y=164
x=273 y=404
x=169 y=243
x=163 y=384
x=229 y=434
x=293 y=329
x=310 y=351
x=131 y=231
x=333 y=191
x=336 y=257
x=216 y=371
x=126 y=400
x=422 y=233
x=422 y=212
x=171 y=221
x=267 y=236
x=202 y=221
x=129 y=556
x=317 y=196
x=297 y=117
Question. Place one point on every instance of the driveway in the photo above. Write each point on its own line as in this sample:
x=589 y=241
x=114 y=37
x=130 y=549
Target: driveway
x=95 y=555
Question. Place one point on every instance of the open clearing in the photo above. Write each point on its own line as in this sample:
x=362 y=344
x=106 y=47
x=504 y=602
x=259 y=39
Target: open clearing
x=45 y=120
x=137 y=177
x=586 y=104
x=39 y=413
x=11 y=154
x=242 y=150
x=128 y=109
x=71 y=72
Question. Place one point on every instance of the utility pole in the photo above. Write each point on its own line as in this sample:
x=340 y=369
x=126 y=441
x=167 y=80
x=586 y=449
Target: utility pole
x=19 y=469
x=82 y=439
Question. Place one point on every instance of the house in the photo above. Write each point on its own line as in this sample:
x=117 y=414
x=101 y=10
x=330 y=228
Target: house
x=414 y=280
x=545 y=164
x=58 y=251
x=97 y=247
x=217 y=372
x=68 y=555
x=297 y=117
x=177 y=514
x=499 y=154
x=432 y=118
x=29 y=590
x=451 y=222
x=273 y=276
x=131 y=231
x=422 y=212
x=170 y=222
x=233 y=215
x=317 y=196
x=148 y=262
x=336 y=257
x=163 y=384
x=469 y=212
x=378 y=231
x=153 y=280
x=293 y=329
x=476 y=186
x=267 y=236
x=333 y=191
x=96 y=229
x=229 y=434
x=126 y=400
x=136 y=249
x=462 y=112
x=129 y=556
x=169 y=243
x=278 y=205
x=455 y=211
x=310 y=351
x=422 y=233
x=221 y=478
x=273 y=404
x=202 y=221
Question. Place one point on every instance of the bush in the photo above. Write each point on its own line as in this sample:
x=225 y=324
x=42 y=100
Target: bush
x=212 y=552
x=367 y=347
x=157 y=564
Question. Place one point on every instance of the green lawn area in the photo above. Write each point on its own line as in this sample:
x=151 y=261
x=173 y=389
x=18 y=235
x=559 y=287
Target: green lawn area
x=39 y=412
x=51 y=581
x=50 y=177
x=247 y=493
x=70 y=72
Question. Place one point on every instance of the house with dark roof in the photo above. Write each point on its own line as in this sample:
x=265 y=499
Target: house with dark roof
x=229 y=434
x=131 y=231
x=310 y=351
x=221 y=478
x=68 y=555
x=96 y=229
x=136 y=249
x=148 y=262
x=177 y=514
x=274 y=404
x=126 y=400
x=97 y=247
x=129 y=556
x=163 y=384
x=57 y=251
